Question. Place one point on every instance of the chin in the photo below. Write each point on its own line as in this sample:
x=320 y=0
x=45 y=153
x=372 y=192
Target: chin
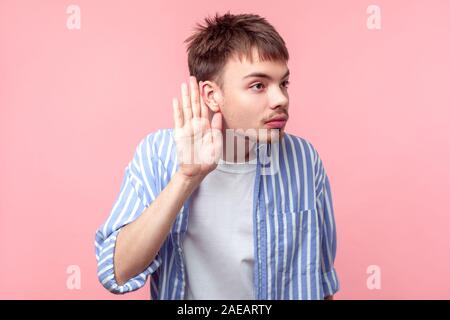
x=273 y=136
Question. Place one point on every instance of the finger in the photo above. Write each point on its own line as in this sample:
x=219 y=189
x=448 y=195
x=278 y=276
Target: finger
x=204 y=111
x=194 y=97
x=177 y=114
x=217 y=139
x=207 y=138
x=216 y=121
x=208 y=148
x=187 y=111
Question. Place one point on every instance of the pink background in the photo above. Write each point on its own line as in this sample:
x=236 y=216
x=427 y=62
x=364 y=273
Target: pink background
x=75 y=103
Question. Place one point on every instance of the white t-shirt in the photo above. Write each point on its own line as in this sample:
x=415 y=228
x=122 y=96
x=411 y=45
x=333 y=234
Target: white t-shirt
x=218 y=246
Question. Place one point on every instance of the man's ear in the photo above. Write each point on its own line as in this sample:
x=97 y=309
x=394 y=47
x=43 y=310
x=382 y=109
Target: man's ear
x=212 y=95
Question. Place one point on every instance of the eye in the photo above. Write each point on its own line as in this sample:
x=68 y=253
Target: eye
x=286 y=84
x=258 y=86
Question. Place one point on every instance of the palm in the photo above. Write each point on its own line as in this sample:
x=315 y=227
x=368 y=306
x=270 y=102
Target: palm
x=198 y=142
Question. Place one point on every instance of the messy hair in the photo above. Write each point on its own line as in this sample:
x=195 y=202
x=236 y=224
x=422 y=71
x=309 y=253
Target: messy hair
x=226 y=36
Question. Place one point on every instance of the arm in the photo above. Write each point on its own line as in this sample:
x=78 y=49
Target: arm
x=127 y=244
x=324 y=205
x=139 y=242
x=329 y=241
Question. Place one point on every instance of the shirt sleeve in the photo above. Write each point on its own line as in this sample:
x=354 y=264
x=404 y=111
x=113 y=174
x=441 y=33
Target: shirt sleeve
x=137 y=192
x=330 y=281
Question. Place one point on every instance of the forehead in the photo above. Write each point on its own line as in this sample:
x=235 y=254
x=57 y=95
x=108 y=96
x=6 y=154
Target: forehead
x=239 y=68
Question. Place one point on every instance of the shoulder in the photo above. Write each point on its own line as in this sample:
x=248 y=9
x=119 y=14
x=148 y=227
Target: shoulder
x=157 y=152
x=157 y=143
x=302 y=147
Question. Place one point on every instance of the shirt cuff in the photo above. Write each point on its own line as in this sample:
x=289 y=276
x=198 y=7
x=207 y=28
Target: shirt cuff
x=105 y=269
x=330 y=283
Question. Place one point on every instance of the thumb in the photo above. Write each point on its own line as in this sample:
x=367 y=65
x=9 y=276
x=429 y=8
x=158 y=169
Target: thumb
x=216 y=121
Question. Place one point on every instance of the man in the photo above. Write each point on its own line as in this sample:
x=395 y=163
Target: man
x=207 y=219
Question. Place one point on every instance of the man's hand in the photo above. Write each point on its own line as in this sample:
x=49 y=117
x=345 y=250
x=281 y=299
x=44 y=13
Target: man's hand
x=198 y=142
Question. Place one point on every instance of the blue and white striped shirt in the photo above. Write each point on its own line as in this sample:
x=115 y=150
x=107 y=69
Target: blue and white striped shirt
x=293 y=218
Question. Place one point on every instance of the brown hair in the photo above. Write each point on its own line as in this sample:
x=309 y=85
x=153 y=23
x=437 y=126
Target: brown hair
x=222 y=37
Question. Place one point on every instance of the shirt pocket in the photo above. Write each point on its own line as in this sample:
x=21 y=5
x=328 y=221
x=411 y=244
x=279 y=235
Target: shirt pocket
x=295 y=236
x=303 y=224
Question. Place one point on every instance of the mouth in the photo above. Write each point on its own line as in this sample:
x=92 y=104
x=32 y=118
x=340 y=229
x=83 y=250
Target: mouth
x=277 y=123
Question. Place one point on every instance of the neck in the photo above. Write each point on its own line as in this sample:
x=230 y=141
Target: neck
x=237 y=148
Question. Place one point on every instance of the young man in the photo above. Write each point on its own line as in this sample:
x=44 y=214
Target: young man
x=206 y=221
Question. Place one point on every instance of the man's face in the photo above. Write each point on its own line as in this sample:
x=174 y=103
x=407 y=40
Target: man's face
x=254 y=93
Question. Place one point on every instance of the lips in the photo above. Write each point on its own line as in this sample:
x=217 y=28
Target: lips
x=277 y=122
x=278 y=118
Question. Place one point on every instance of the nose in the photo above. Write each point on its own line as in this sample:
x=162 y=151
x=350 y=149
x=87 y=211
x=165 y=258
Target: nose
x=279 y=99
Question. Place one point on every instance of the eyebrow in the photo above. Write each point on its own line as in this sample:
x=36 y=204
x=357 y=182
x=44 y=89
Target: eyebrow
x=263 y=75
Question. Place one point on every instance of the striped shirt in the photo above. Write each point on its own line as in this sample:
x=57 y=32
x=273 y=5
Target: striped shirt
x=294 y=235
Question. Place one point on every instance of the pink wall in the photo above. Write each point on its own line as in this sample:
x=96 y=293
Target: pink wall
x=74 y=104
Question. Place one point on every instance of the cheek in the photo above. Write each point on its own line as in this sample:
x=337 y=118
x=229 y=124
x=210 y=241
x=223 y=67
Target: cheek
x=244 y=98
x=244 y=109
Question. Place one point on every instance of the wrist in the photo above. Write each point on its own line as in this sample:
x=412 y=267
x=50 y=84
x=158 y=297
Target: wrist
x=189 y=180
